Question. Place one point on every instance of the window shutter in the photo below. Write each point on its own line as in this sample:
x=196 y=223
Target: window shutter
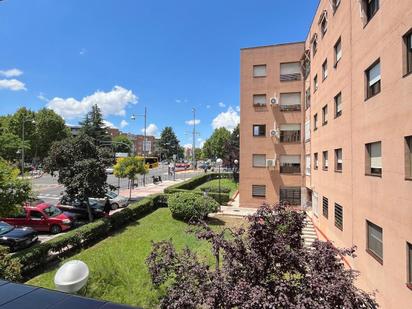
x=376 y=156
x=256 y=130
x=258 y=190
x=289 y=160
x=259 y=160
x=308 y=165
x=259 y=70
x=290 y=98
x=290 y=68
x=339 y=103
x=259 y=99
x=339 y=155
x=338 y=51
x=290 y=127
x=375 y=74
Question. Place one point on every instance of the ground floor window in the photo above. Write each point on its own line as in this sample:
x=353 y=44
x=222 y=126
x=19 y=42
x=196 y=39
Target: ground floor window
x=339 y=216
x=291 y=195
x=325 y=207
x=258 y=191
x=375 y=241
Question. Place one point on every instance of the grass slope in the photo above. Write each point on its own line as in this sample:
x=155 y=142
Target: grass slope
x=118 y=272
x=223 y=182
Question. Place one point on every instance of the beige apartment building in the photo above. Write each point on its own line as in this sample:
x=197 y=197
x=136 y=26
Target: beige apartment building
x=346 y=151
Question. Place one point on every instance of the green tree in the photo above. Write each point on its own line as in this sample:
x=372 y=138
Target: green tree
x=50 y=128
x=168 y=144
x=16 y=128
x=13 y=190
x=233 y=145
x=216 y=145
x=10 y=144
x=122 y=143
x=93 y=126
x=81 y=167
x=129 y=168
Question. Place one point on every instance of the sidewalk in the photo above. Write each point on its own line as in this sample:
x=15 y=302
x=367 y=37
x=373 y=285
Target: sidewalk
x=140 y=192
x=234 y=210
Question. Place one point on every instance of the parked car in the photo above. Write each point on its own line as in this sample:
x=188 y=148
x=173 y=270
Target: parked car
x=78 y=209
x=109 y=170
x=16 y=237
x=43 y=218
x=115 y=200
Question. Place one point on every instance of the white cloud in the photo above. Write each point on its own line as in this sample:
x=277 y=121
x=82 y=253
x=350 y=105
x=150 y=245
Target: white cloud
x=229 y=119
x=238 y=108
x=123 y=123
x=113 y=102
x=187 y=146
x=12 y=84
x=200 y=139
x=11 y=73
x=202 y=143
x=151 y=130
x=191 y=122
x=108 y=124
x=42 y=97
x=222 y=105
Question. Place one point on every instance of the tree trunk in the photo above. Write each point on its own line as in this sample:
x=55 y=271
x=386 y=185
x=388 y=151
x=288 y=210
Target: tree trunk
x=130 y=190
x=89 y=211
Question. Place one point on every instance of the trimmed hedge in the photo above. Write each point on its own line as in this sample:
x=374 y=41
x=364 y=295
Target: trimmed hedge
x=188 y=206
x=40 y=255
x=197 y=181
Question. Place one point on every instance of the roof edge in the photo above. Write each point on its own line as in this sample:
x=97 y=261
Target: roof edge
x=273 y=45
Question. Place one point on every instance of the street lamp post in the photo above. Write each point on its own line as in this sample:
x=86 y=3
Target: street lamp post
x=22 y=144
x=144 y=139
x=219 y=163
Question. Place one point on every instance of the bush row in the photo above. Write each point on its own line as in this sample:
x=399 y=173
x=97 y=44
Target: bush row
x=39 y=255
x=189 y=206
x=195 y=182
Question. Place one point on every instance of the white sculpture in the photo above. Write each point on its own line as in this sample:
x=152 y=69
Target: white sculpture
x=71 y=276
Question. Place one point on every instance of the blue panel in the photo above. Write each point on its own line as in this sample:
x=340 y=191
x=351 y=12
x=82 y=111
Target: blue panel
x=11 y=291
x=37 y=299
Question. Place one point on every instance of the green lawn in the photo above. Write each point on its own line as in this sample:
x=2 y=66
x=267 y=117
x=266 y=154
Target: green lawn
x=230 y=183
x=118 y=272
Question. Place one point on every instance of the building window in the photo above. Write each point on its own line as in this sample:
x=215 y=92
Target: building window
x=259 y=70
x=259 y=160
x=373 y=80
x=291 y=195
x=289 y=133
x=408 y=157
x=307 y=165
x=290 y=101
x=325 y=160
x=369 y=8
x=375 y=241
x=307 y=98
x=290 y=164
x=338 y=51
x=338 y=160
x=325 y=207
x=335 y=5
x=259 y=130
x=315 y=161
x=339 y=216
x=307 y=130
x=325 y=115
x=338 y=105
x=323 y=22
x=315 y=122
x=409 y=253
x=290 y=71
x=258 y=191
x=325 y=70
x=315 y=82
x=314 y=44
x=407 y=39
x=259 y=100
x=374 y=159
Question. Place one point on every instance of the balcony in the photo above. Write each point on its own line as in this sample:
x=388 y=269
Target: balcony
x=289 y=136
x=290 y=169
x=290 y=77
x=290 y=108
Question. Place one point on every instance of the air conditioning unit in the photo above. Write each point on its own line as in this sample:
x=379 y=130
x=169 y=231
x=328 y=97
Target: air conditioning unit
x=274 y=101
x=275 y=133
x=270 y=163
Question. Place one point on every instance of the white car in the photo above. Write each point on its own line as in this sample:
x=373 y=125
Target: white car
x=109 y=170
x=116 y=200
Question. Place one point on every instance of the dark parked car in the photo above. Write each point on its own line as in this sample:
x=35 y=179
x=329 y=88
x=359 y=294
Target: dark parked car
x=43 y=218
x=78 y=209
x=16 y=237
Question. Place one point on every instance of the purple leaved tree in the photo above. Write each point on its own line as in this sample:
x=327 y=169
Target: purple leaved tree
x=263 y=266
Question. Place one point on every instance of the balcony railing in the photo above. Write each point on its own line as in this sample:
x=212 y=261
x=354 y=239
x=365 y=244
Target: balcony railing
x=290 y=169
x=289 y=136
x=290 y=77
x=290 y=108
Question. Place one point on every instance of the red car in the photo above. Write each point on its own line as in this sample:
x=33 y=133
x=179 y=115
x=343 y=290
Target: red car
x=42 y=217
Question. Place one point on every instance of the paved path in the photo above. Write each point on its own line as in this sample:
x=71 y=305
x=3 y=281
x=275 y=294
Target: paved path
x=141 y=192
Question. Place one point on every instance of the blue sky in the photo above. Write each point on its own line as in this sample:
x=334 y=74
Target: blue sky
x=126 y=54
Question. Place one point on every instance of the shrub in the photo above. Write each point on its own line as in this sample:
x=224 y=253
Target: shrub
x=10 y=269
x=191 y=206
x=195 y=182
x=215 y=188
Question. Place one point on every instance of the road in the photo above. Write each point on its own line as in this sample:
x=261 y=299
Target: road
x=47 y=188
